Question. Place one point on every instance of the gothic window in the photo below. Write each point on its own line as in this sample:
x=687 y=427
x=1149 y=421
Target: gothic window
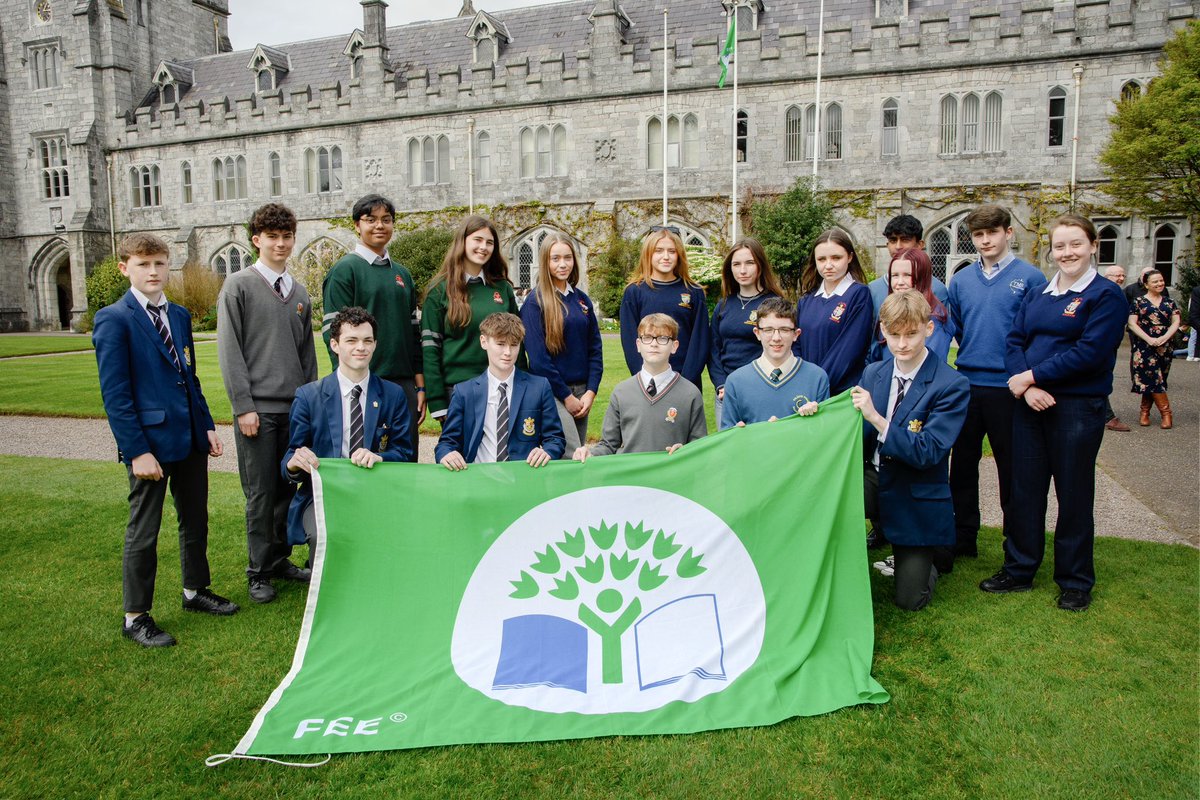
x=970 y=124
x=483 y=156
x=742 y=132
x=543 y=151
x=356 y=67
x=745 y=18
x=993 y=109
x=323 y=170
x=43 y=65
x=229 y=178
x=691 y=237
x=144 y=186
x=265 y=80
x=793 y=149
x=949 y=126
x=56 y=179
x=1164 y=251
x=1107 y=253
x=833 y=131
x=275 y=174
x=683 y=142
x=810 y=131
x=525 y=255
x=320 y=255
x=168 y=94
x=428 y=160
x=558 y=151
x=890 y=140
x=950 y=247
x=139 y=12
x=230 y=259
x=1057 y=117
x=185 y=182
x=1131 y=90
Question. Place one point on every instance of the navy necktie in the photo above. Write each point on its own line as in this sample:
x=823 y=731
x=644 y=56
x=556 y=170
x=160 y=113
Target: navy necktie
x=160 y=325
x=502 y=423
x=356 y=420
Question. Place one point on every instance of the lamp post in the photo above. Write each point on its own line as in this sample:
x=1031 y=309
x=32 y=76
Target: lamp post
x=1076 y=71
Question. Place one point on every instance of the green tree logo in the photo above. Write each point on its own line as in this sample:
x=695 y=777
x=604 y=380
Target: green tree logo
x=593 y=558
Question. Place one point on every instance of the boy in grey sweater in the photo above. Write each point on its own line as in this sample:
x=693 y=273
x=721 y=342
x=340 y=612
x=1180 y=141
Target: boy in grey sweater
x=265 y=347
x=655 y=409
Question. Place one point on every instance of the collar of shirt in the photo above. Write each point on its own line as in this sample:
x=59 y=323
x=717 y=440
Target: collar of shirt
x=838 y=290
x=271 y=276
x=1008 y=258
x=345 y=384
x=908 y=376
x=1082 y=283
x=494 y=384
x=566 y=292
x=660 y=380
x=367 y=254
x=785 y=369
x=144 y=301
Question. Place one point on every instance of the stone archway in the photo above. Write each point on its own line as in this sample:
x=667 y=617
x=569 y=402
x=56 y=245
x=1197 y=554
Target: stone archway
x=64 y=295
x=50 y=284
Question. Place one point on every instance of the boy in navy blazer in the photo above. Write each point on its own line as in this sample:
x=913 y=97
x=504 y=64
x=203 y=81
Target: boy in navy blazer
x=164 y=431
x=906 y=475
x=348 y=414
x=504 y=414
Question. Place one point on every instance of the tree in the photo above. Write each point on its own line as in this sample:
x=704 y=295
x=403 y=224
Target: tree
x=422 y=252
x=788 y=225
x=1153 y=157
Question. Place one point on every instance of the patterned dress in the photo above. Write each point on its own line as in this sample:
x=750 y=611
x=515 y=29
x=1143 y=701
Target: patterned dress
x=1149 y=366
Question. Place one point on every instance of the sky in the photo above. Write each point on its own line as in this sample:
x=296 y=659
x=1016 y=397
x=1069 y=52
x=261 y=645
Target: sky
x=272 y=22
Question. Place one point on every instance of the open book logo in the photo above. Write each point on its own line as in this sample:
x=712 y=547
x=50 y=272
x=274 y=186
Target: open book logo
x=610 y=599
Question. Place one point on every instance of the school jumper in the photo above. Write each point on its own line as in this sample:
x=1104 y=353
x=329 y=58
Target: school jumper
x=751 y=396
x=685 y=304
x=638 y=423
x=835 y=332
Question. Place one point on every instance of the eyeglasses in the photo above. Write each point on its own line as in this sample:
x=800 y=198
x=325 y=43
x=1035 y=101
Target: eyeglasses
x=668 y=228
x=769 y=332
x=663 y=340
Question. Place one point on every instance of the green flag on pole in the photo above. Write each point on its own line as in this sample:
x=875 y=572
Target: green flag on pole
x=724 y=585
x=727 y=53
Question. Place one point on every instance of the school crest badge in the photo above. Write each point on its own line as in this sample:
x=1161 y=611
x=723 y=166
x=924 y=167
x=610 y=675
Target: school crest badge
x=1017 y=286
x=836 y=316
x=915 y=425
x=583 y=307
x=685 y=300
x=753 y=320
x=383 y=442
x=497 y=298
x=798 y=402
x=527 y=427
x=1072 y=307
x=299 y=309
x=187 y=355
x=400 y=281
x=672 y=413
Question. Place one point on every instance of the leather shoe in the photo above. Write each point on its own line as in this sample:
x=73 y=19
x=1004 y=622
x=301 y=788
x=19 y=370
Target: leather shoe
x=261 y=590
x=1115 y=424
x=1003 y=583
x=146 y=633
x=208 y=603
x=876 y=539
x=291 y=572
x=1074 y=600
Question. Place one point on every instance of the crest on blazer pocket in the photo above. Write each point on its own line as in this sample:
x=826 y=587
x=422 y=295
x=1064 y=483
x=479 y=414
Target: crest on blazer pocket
x=527 y=427
x=915 y=425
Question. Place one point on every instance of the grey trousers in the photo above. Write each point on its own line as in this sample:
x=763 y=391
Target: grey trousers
x=188 y=481
x=915 y=576
x=574 y=430
x=268 y=495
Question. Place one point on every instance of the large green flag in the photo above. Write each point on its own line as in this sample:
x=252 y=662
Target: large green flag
x=724 y=585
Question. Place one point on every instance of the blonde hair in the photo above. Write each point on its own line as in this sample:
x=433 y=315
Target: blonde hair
x=645 y=262
x=903 y=311
x=548 y=298
x=658 y=325
x=503 y=327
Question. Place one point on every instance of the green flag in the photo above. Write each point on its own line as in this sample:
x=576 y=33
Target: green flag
x=727 y=53
x=724 y=585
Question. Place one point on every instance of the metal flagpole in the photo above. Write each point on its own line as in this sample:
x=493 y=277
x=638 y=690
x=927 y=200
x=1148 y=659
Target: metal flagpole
x=664 y=119
x=734 y=226
x=817 y=107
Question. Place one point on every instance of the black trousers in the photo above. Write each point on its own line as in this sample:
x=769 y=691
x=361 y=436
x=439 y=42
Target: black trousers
x=188 y=481
x=268 y=495
x=990 y=413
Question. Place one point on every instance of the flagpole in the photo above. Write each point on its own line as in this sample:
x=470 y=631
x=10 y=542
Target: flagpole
x=734 y=225
x=665 y=125
x=817 y=107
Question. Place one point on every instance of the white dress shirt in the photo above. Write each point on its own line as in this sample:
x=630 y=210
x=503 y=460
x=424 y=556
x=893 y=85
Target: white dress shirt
x=838 y=290
x=345 y=384
x=487 y=445
x=368 y=255
x=1008 y=258
x=661 y=380
x=161 y=302
x=895 y=390
x=1079 y=285
x=271 y=276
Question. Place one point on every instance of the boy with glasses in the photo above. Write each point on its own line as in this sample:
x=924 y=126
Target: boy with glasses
x=777 y=383
x=654 y=409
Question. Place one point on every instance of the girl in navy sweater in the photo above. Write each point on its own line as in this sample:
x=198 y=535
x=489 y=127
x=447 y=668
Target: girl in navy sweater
x=835 y=315
x=662 y=285
x=1060 y=355
x=746 y=281
x=562 y=337
x=912 y=269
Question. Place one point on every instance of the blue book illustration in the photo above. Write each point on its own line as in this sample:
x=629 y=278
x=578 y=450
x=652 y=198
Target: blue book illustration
x=680 y=638
x=542 y=650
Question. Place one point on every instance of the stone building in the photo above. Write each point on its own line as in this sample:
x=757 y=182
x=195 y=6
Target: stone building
x=124 y=115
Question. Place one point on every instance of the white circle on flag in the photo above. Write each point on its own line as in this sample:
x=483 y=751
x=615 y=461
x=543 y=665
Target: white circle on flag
x=612 y=599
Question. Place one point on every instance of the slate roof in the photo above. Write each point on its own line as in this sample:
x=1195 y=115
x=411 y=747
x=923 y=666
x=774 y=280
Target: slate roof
x=543 y=30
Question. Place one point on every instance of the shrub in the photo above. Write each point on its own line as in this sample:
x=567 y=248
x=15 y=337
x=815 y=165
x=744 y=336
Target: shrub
x=422 y=253
x=311 y=272
x=788 y=225
x=609 y=272
x=196 y=288
x=105 y=286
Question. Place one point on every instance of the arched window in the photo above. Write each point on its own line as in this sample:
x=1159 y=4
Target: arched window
x=543 y=151
x=1131 y=90
x=428 y=160
x=810 y=131
x=1106 y=255
x=319 y=256
x=745 y=18
x=833 y=131
x=356 y=67
x=527 y=153
x=56 y=177
x=794 y=135
x=265 y=80
x=993 y=110
x=229 y=178
x=43 y=61
x=970 y=124
x=443 y=160
x=742 y=132
x=323 y=170
x=483 y=156
x=144 y=186
x=185 y=182
x=1056 y=115
x=949 y=126
x=558 y=151
x=274 y=174
x=890 y=140
x=950 y=247
x=691 y=237
x=230 y=259
x=524 y=255
x=1164 y=252
x=168 y=94
x=683 y=142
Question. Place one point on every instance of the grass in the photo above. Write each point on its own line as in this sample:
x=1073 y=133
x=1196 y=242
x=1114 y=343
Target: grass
x=36 y=345
x=992 y=696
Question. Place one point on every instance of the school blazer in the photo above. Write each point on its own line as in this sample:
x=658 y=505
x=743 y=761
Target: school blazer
x=316 y=423
x=532 y=417
x=152 y=407
x=914 y=478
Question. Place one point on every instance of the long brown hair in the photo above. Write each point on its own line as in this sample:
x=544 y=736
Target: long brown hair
x=454 y=268
x=922 y=278
x=645 y=270
x=766 y=276
x=548 y=298
x=811 y=279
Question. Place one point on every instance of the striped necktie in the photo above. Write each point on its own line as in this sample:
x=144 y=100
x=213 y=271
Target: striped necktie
x=279 y=287
x=160 y=325
x=502 y=423
x=652 y=390
x=356 y=420
x=776 y=374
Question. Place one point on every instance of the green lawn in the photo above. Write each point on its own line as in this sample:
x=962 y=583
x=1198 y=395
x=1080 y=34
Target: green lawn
x=992 y=696
x=13 y=345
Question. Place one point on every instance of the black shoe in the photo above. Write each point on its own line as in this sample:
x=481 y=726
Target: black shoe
x=876 y=539
x=209 y=603
x=1074 y=600
x=290 y=572
x=261 y=590
x=146 y=633
x=1003 y=583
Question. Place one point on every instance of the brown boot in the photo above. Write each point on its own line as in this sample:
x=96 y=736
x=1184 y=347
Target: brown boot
x=1144 y=416
x=1163 y=404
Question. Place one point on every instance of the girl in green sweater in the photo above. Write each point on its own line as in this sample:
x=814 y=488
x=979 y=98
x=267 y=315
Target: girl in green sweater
x=472 y=283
